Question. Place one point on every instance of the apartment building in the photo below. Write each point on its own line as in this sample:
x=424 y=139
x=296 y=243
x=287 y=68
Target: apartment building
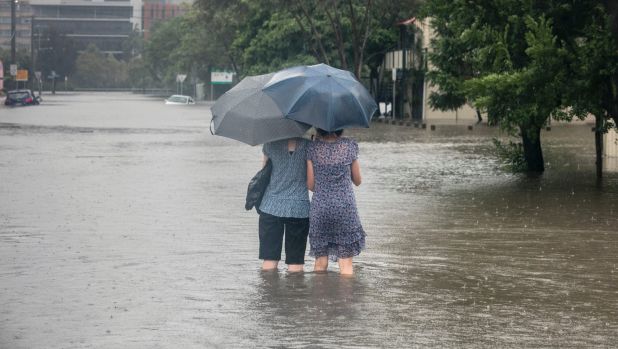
x=23 y=16
x=104 y=23
x=154 y=11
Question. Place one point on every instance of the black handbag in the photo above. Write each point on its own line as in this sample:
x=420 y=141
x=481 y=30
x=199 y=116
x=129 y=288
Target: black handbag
x=257 y=186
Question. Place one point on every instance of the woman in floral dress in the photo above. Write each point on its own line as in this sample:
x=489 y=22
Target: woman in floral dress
x=335 y=230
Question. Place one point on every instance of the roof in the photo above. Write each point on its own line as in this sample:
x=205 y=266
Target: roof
x=407 y=21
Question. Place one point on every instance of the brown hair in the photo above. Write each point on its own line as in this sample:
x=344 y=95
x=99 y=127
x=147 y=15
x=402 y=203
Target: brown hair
x=323 y=133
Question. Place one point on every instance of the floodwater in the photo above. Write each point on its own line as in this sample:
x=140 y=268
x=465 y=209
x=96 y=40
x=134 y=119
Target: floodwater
x=122 y=226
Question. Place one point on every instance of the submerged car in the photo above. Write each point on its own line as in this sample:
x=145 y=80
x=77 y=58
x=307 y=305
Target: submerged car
x=21 y=97
x=180 y=99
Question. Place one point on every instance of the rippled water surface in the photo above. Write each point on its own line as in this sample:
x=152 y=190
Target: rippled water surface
x=122 y=226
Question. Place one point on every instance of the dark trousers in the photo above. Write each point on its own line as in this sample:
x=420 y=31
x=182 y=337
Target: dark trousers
x=272 y=230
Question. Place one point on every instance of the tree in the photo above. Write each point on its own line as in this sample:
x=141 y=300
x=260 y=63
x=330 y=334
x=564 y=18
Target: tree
x=223 y=20
x=266 y=35
x=353 y=24
x=515 y=59
x=595 y=88
x=57 y=53
x=94 y=69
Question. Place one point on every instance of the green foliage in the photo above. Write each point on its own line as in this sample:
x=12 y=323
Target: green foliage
x=162 y=49
x=523 y=61
x=181 y=45
x=56 y=53
x=94 y=69
x=593 y=86
x=258 y=36
x=511 y=155
x=277 y=43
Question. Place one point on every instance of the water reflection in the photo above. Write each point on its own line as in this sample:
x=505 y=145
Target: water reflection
x=294 y=295
x=302 y=309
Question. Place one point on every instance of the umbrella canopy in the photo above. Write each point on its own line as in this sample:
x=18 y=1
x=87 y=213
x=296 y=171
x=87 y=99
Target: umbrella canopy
x=245 y=113
x=322 y=96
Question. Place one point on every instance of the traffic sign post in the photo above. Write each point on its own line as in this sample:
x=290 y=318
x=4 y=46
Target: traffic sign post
x=1 y=75
x=53 y=76
x=394 y=88
x=218 y=77
x=37 y=75
x=180 y=78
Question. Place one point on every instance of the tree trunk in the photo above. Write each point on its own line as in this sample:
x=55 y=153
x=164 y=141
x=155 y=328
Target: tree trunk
x=533 y=154
x=598 y=143
x=612 y=99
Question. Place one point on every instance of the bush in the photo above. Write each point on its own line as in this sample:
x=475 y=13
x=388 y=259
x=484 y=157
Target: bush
x=511 y=155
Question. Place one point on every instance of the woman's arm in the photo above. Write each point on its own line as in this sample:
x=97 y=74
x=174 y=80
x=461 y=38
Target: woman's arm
x=265 y=160
x=356 y=174
x=310 y=178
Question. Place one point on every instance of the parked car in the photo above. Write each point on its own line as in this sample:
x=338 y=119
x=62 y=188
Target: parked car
x=21 y=97
x=179 y=99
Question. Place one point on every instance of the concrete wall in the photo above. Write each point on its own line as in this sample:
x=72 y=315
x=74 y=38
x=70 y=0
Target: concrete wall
x=610 y=144
x=463 y=114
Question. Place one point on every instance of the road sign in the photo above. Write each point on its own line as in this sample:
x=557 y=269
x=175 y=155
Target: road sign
x=13 y=69
x=37 y=75
x=22 y=75
x=221 y=77
x=181 y=77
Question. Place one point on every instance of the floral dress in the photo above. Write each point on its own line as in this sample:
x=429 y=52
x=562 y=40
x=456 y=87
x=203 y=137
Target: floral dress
x=335 y=229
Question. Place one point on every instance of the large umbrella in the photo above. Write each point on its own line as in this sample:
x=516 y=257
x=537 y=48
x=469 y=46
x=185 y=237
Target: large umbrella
x=247 y=114
x=322 y=96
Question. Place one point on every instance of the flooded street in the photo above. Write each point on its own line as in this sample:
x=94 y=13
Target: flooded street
x=122 y=225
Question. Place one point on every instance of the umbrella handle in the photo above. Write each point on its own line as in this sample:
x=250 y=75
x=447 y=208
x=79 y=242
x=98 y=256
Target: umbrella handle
x=210 y=127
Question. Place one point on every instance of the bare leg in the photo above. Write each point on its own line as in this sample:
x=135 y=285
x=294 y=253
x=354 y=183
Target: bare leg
x=321 y=263
x=296 y=268
x=269 y=265
x=345 y=266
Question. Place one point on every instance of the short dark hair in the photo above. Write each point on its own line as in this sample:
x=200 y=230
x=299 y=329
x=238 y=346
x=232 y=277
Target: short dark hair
x=322 y=132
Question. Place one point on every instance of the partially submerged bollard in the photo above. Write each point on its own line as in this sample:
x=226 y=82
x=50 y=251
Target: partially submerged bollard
x=470 y=127
x=433 y=127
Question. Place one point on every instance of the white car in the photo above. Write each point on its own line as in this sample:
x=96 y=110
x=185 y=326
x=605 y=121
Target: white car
x=179 y=99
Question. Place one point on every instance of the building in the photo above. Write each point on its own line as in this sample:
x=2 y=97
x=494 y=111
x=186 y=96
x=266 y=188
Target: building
x=23 y=15
x=154 y=11
x=105 y=23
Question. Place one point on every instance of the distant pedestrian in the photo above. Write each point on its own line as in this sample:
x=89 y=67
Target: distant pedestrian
x=335 y=230
x=284 y=211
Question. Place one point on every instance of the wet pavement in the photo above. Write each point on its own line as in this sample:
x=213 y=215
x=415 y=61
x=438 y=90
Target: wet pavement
x=122 y=226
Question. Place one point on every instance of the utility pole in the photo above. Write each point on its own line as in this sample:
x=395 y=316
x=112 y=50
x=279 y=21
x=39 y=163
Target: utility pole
x=32 y=59
x=13 y=31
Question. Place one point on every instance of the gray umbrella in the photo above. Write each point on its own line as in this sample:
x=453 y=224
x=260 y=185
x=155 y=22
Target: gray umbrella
x=247 y=114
